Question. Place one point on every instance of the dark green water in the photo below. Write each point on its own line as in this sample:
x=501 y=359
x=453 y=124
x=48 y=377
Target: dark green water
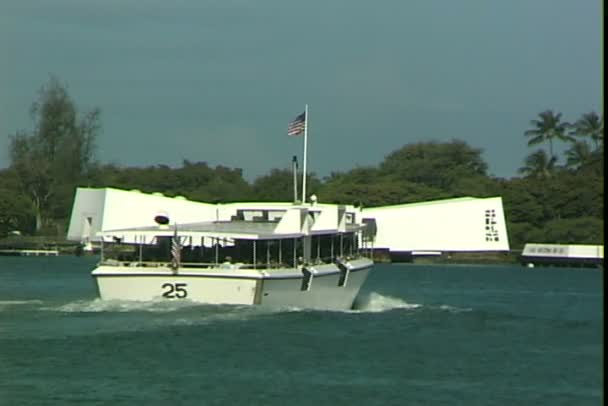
x=420 y=335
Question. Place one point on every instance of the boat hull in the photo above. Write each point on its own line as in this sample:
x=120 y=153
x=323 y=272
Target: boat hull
x=320 y=287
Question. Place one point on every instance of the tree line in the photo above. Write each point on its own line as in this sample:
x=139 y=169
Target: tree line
x=548 y=202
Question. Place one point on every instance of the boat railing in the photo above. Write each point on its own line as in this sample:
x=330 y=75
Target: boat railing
x=228 y=265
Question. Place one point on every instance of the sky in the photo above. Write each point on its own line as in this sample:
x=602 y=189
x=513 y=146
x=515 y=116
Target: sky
x=218 y=81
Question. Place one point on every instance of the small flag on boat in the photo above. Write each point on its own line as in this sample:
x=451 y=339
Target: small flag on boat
x=175 y=250
x=297 y=126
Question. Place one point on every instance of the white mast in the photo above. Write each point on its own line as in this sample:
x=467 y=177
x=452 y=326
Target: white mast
x=294 y=171
x=305 y=150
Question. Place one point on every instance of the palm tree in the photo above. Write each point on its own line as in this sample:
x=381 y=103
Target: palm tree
x=592 y=126
x=578 y=155
x=538 y=165
x=548 y=128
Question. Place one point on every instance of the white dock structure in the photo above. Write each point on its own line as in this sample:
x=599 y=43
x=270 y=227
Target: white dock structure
x=571 y=255
x=29 y=253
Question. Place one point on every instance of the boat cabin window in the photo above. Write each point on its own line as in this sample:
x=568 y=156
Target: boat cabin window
x=258 y=215
x=258 y=254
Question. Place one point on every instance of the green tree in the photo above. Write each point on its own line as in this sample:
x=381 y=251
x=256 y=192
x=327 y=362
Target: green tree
x=16 y=211
x=521 y=204
x=538 y=165
x=590 y=125
x=437 y=165
x=582 y=230
x=576 y=194
x=58 y=153
x=194 y=180
x=368 y=187
x=548 y=129
x=278 y=185
x=520 y=234
x=228 y=185
x=578 y=154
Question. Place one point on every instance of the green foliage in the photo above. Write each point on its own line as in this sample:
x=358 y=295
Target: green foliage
x=474 y=185
x=57 y=154
x=228 y=185
x=437 y=165
x=583 y=230
x=522 y=233
x=578 y=155
x=591 y=126
x=548 y=129
x=369 y=187
x=575 y=195
x=196 y=181
x=16 y=211
x=521 y=204
x=278 y=185
x=538 y=165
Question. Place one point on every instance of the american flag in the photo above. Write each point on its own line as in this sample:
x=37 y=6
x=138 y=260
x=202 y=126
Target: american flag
x=296 y=127
x=175 y=250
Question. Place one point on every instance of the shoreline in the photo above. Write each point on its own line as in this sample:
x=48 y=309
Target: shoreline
x=45 y=246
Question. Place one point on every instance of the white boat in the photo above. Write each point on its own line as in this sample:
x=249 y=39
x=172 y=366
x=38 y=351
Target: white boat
x=306 y=255
x=285 y=255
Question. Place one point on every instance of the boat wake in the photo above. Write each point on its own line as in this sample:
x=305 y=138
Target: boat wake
x=454 y=309
x=370 y=303
x=11 y=303
x=375 y=303
x=96 y=316
x=178 y=312
x=121 y=306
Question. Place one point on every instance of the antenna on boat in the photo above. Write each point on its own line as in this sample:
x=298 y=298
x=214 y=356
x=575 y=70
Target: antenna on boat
x=294 y=169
